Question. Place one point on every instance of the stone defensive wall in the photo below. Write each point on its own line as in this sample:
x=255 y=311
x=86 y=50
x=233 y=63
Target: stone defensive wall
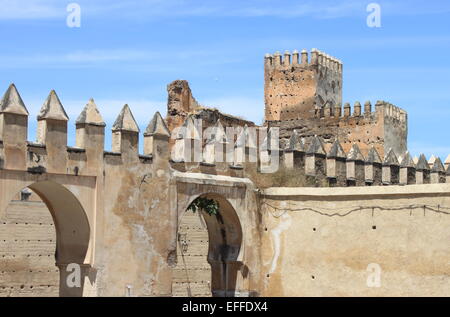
x=295 y=85
x=381 y=127
x=117 y=213
x=216 y=151
x=374 y=241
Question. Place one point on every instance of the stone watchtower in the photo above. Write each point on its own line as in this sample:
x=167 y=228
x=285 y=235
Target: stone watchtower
x=304 y=94
x=297 y=88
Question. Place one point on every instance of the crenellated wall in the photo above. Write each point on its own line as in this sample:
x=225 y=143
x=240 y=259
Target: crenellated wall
x=297 y=87
x=117 y=213
x=385 y=126
x=318 y=164
x=305 y=94
x=182 y=104
x=100 y=200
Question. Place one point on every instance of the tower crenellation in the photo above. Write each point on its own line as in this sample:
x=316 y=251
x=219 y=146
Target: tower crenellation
x=308 y=94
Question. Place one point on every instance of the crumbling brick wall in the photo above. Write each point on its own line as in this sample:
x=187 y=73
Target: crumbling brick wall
x=306 y=96
x=181 y=104
x=295 y=88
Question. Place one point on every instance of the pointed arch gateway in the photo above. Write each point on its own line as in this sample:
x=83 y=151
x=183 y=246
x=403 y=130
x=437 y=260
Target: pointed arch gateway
x=220 y=251
x=73 y=232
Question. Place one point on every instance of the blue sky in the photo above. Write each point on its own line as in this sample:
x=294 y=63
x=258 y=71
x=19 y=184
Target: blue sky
x=128 y=51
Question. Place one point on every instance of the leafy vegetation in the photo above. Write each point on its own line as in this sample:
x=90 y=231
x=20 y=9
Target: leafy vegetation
x=209 y=206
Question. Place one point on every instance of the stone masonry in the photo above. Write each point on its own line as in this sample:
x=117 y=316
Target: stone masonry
x=305 y=94
x=119 y=215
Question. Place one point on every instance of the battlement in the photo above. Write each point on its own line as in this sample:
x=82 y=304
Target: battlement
x=319 y=163
x=219 y=148
x=50 y=152
x=306 y=95
x=382 y=108
x=296 y=87
x=303 y=59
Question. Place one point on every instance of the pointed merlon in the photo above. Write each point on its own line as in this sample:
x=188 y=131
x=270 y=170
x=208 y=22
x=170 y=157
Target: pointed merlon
x=240 y=140
x=416 y=160
x=91 y=115
x=407 y=161
x=391 y=158
x=447 y=161
x=422 y=164
x=12 y=102
x=217 y=134
x=296 y=143
x=373 y=156
x=53 y=109
x=355 y=154
x=125 y=121
x=157 y=126
x=438 y=166
x=246 y=138
x=337 y=151
x=431 y=161
x=192 y=131
x=316 y=146
x=268 y=141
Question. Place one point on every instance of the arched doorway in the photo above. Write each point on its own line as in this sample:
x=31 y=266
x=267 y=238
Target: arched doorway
x=70 y=230
x=27 y=248
x=224 y=243
x=192 y=274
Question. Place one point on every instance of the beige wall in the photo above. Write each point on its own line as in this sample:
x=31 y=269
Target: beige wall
x=311 y=253
x=192 y=274
x=27 y=251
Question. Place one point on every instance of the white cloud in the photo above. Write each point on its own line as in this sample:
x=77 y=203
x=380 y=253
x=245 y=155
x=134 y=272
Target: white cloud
x=76 y=57
x=30 y=9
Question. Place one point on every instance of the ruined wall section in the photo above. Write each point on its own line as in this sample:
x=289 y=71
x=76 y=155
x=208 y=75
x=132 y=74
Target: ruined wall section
x=180 y=103
x=306 y=95
x=395 y=129
x=295 y=87
x=384 y=128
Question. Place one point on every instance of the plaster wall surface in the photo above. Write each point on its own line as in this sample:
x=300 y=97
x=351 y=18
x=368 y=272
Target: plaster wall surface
x=27 y=251
x=325 y=242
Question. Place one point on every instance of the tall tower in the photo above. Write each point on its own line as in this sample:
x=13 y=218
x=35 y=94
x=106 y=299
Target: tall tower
x=298 y=88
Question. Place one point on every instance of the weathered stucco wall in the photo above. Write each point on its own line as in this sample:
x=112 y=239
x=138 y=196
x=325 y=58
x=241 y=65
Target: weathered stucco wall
x=117 y=214
x=27 y=251
x=192 y=274
x=326 y=252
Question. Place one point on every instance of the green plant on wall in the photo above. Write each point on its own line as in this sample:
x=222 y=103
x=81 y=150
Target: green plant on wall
x=209 y=206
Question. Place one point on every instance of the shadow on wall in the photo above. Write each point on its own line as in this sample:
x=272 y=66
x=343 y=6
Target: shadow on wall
x=225 y=241
x=34 y=239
